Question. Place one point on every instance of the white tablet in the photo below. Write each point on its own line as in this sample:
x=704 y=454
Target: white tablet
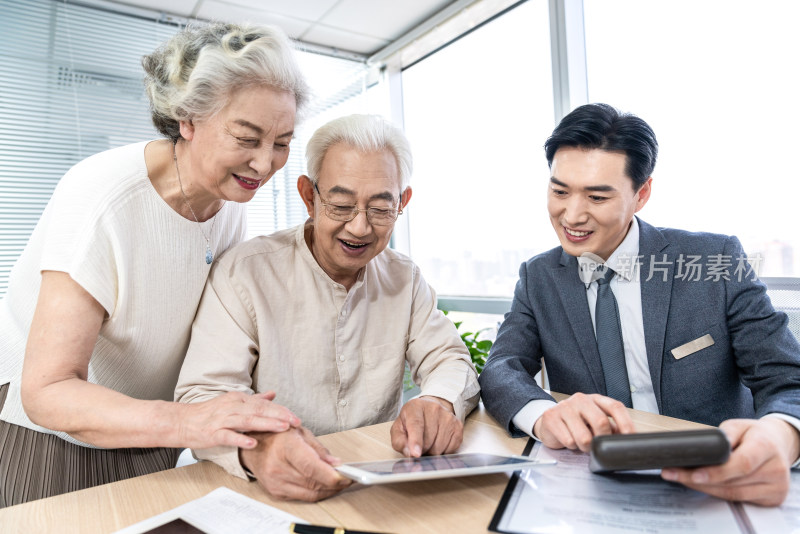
x=444 y=466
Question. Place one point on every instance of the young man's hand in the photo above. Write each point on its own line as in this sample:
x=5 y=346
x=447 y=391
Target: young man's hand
x=573 y=422
x=758 y=468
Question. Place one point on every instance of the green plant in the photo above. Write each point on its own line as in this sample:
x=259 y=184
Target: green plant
x=478 y=348
x=408 y=384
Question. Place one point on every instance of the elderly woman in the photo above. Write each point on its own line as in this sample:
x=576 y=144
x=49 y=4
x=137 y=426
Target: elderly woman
x=327 y=316
x=100 y=304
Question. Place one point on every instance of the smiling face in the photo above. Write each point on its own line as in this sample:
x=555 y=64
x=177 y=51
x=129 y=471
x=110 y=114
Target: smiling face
x=237 y=150
x=349 y=177
x=591 y=200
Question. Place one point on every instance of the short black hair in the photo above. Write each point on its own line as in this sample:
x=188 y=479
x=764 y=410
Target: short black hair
x=602 y=126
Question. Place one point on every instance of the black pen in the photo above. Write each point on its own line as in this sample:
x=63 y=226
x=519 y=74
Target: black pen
x=298 y=528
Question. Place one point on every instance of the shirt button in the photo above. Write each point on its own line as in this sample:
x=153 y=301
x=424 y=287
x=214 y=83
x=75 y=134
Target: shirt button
x=343 y=402
x=341 y=357
x=633 y=388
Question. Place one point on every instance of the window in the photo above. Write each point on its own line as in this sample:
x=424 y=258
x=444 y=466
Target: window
x=718 y=82
x=71 y=86
x=477 y=113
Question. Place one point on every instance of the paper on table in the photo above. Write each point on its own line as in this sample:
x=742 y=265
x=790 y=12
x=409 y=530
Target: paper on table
x=785 y=519
x=220 y=512
x=569 y=498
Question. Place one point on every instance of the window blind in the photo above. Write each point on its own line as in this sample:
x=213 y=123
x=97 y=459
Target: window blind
x=71 y=86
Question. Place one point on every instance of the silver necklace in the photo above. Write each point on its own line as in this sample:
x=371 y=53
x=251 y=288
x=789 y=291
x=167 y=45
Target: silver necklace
x=209 y=253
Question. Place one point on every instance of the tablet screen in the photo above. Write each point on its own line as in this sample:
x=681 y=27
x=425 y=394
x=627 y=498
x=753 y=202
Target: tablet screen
x=437 y=463
x=447 y=465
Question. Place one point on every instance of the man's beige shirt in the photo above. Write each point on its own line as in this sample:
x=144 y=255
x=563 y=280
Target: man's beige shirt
x=272 y=319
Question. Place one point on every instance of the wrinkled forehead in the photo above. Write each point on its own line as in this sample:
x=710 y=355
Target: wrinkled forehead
x=348 y=171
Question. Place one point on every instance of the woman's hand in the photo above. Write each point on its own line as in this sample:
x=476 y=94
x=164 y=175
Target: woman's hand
x=224 y=419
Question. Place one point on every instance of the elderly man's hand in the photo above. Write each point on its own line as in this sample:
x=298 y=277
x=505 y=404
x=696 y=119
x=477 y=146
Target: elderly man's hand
x=573 y=422
x=758 y=468
x=427 y=425
x=293 y=465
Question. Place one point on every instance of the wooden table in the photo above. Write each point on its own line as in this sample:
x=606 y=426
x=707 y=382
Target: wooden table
x=462 y=505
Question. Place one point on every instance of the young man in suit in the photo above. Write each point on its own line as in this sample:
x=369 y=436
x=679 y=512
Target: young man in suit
x=700 y=339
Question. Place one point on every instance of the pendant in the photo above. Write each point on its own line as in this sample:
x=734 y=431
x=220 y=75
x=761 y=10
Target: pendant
x=209 y=255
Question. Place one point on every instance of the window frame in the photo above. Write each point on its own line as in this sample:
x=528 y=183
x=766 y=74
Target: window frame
x=570 y=89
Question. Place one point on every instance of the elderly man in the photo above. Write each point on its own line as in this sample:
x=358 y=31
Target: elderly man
x=326 y=316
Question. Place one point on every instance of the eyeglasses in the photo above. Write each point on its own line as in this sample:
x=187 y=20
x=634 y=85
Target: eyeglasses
x=376 y=216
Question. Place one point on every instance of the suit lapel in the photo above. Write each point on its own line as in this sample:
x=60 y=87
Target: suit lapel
x=572 y=292
x=657 y=264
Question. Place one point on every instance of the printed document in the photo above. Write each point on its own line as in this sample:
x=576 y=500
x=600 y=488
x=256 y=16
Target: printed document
x=220 y=512
x=783 y=519
x=568 y=498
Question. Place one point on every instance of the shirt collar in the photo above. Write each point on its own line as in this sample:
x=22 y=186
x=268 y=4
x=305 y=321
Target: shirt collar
x=623 y=260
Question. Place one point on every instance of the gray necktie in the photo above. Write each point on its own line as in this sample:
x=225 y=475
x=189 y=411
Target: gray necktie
x=609 y=341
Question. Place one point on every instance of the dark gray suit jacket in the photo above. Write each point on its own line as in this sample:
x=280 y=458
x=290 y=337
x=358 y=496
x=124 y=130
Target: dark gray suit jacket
x=753 y=367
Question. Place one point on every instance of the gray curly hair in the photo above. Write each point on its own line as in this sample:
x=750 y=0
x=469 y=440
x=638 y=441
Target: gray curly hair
x=191 y=75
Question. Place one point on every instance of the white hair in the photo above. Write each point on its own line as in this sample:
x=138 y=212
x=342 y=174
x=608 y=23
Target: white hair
x=192 y=75
x=366 y=133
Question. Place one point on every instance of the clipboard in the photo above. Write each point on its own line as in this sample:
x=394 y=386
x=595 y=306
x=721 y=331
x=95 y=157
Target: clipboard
x=494 y=525
x=536 y=500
